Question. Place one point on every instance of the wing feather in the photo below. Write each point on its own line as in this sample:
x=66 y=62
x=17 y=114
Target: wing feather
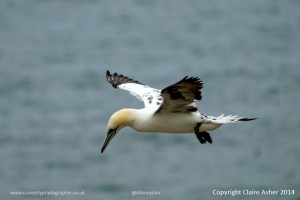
x=150 y=96
x=181 y=96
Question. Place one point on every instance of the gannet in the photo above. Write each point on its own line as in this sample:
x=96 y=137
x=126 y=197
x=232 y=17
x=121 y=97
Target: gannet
x=170 y=110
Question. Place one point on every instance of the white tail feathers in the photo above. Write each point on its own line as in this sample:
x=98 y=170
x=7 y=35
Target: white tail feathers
x=228 y=119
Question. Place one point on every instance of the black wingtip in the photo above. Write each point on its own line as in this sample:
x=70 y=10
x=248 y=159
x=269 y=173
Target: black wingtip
x=109 y=78
x=116 y=79
x=246 y=119
x=108 y=74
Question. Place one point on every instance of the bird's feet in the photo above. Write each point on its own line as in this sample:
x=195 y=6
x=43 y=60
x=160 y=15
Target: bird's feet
x=203 y=137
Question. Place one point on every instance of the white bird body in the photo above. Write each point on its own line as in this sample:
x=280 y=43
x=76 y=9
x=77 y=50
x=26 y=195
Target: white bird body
x=146 y=121
x=171 y=110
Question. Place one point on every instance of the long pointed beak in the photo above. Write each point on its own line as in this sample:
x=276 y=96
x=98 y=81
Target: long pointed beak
x=110 y=134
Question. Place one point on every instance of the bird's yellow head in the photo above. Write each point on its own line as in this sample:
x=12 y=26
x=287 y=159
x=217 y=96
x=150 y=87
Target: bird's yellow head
x=117 y=121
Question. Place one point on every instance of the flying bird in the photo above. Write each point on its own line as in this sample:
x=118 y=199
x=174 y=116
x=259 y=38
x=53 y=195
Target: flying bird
x=170 y=110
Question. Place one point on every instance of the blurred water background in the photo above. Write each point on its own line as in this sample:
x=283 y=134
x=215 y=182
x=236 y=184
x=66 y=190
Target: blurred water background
x=55 y=101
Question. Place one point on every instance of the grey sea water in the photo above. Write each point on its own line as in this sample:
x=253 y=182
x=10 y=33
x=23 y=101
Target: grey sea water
x=55 y=101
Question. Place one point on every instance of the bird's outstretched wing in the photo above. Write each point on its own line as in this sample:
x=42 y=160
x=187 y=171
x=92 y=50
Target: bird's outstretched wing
x=150 y=96
x=181 y=96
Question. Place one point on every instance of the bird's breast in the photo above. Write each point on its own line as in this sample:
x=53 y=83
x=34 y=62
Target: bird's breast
x=168 y=123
